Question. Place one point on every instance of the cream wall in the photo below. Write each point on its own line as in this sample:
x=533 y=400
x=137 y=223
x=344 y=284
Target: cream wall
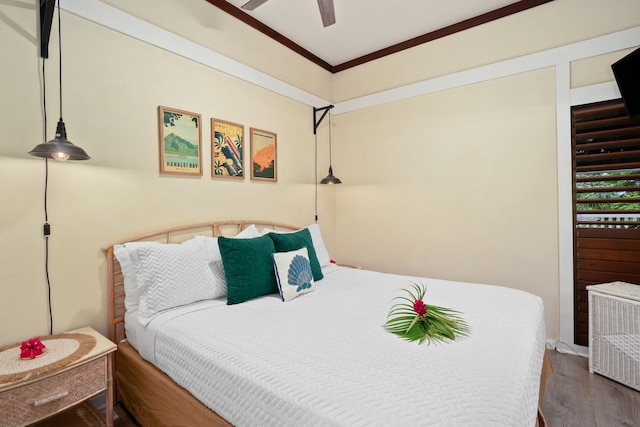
x=112 y=87
x=453 y=151
x=460 y=182
x=595 y=70
x=215 y=29
x=548 y=26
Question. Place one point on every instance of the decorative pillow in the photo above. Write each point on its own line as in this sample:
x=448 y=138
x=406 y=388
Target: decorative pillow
x=285 y=242
x=318 y=243
x=293 y=273
x=171 y=275
x=248 y=267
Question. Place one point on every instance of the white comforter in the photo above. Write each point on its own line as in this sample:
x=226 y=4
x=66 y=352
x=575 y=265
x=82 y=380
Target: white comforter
x=325 y=359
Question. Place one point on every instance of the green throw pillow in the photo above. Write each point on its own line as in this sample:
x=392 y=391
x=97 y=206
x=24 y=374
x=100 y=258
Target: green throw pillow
x=286 y=242
x=248 y=267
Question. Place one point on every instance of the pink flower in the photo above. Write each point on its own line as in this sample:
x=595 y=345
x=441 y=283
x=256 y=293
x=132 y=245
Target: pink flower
x=31 y=349
x=419 y=307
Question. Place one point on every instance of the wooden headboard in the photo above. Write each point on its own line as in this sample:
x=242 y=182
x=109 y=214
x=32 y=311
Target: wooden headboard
x=115 y=281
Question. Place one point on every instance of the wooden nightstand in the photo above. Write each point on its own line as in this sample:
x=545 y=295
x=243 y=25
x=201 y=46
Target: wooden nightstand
x=30 y=396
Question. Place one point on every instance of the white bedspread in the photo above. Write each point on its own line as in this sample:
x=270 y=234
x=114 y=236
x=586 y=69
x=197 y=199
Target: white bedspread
x=325 y=359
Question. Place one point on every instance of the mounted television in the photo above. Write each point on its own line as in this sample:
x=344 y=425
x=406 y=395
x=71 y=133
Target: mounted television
x=627 y=74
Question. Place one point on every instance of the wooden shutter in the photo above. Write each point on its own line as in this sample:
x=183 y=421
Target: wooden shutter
x=606 y=165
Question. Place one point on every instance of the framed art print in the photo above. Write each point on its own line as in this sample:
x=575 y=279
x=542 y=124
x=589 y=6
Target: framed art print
x=227 y=149
x=180 y=141
x=264 y=159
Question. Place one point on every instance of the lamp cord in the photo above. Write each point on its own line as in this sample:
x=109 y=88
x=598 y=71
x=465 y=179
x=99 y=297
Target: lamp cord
x=60 y=57
x=330 y=144
x=47 y=231
x=44 y=101
x=46 y=227
x=316 y=174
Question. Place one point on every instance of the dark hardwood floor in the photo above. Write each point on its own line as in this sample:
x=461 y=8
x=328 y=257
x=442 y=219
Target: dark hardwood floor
x=574 y=397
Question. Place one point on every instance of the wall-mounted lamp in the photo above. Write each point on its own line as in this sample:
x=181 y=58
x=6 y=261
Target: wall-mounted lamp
x=329 y=179
x=59 y=148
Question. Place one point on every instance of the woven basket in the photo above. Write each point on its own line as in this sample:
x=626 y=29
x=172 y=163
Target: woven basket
x=614 y=338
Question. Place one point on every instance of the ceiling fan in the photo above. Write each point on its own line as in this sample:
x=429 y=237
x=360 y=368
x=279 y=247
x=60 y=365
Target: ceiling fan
x=327 y=13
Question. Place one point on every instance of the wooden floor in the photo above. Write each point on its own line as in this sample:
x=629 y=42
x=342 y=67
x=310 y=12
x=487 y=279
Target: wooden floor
x=122 y=418
x=574 y=397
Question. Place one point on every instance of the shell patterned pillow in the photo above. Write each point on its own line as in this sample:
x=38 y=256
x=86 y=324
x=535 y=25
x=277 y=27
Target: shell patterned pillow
x=293 y=273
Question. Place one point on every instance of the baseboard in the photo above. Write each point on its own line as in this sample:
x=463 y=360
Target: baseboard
x=565 y=348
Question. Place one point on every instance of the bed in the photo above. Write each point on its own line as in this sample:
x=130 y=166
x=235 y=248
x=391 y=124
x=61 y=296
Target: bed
x=322 y=358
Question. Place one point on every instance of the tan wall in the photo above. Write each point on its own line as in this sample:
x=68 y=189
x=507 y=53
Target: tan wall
x=458 y=185
x=112 y=87
x=595 y=70
x=548 y=26
x=215 y=29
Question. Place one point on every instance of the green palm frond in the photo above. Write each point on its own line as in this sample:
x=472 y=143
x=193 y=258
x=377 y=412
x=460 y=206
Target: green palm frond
x=437 y=324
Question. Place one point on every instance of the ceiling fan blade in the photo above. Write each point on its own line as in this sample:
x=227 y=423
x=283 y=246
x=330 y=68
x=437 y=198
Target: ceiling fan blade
x=327 y=12
x=252 y=4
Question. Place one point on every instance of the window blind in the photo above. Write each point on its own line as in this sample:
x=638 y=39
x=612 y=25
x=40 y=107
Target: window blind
x=606 y=166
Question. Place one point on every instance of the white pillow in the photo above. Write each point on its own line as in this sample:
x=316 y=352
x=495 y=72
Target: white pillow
x=318 y=244
x=219 y=281
x=293 y=273
x=249 y=232
x=132 y=294
x=122 y=253
x=171 y=275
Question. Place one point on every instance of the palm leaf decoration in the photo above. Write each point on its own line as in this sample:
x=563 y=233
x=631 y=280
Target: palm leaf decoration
x=414 y=320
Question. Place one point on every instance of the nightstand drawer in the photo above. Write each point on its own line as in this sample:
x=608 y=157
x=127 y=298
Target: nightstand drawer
x=33 y=402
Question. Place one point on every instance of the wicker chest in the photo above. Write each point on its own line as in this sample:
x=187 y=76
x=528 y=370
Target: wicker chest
x=614 y=332
x=30 y=395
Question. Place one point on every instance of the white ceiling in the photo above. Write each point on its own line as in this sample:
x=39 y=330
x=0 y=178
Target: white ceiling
x=363 y=26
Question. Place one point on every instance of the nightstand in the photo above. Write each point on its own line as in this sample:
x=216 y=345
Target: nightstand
x=76 y=366
x=614 y=332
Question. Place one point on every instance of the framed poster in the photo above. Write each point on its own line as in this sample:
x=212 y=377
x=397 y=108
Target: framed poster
x=227 y=149
x=264 y=160
x=180 y=141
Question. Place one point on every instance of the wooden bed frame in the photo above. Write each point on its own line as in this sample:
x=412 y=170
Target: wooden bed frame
x=146 y=392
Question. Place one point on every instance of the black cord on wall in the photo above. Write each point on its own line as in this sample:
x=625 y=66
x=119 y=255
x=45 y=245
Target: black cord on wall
x=47 y=232
x=316 y=176
x=46 y=227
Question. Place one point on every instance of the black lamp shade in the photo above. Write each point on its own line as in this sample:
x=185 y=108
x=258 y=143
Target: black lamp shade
x=330 y=179
x=59 y=148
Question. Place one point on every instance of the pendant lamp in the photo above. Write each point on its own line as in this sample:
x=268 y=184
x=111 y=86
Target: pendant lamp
x=59 y=148
x=330 y=178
